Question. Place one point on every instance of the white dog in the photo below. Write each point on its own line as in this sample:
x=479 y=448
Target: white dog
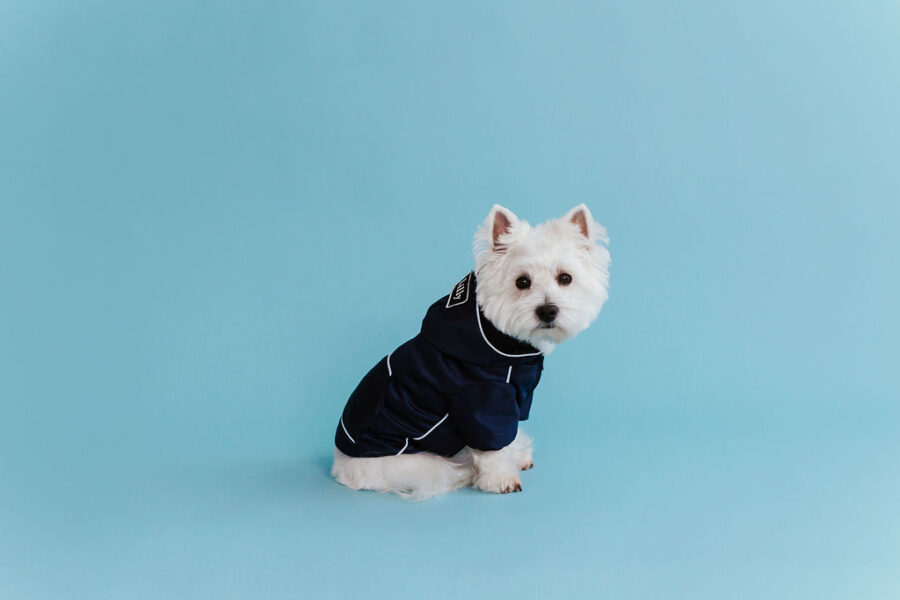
x=441 y=411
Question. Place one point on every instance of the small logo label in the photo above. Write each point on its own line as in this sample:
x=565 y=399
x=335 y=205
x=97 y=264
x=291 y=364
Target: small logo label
x=460 y=293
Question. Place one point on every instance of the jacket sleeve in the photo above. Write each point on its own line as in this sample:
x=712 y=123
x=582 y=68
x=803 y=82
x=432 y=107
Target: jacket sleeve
x=487 y=415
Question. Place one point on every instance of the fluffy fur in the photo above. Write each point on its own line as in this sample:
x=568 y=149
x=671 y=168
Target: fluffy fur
x=541 y=253
x=423 y=475
x=506 y=249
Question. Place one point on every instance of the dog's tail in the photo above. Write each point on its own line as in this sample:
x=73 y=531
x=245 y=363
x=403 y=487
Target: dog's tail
x=413 y=476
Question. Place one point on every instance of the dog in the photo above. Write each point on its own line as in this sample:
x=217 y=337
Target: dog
x=441 y=411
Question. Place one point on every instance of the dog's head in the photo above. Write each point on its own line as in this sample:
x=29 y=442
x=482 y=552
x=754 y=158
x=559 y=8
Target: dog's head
x=542 y=284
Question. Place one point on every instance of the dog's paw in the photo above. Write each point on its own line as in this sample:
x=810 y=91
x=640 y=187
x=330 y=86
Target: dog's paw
x=499 y=484
x=515 y=487
x=521 y=451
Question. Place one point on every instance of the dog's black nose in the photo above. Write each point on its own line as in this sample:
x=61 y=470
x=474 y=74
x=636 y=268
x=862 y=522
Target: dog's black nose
x=547 y=312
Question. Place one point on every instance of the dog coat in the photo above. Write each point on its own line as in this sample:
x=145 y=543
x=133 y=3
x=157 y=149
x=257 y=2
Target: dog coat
x=459 y=382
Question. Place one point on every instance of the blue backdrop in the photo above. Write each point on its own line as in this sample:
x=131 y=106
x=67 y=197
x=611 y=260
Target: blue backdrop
x=215 y=216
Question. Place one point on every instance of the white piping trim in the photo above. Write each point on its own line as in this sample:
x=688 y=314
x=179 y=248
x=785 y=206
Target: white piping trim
x=390 y=373
x=508 y=373
x=433 y=427
x=404 y=447
x=481 y=329
x=347 y=432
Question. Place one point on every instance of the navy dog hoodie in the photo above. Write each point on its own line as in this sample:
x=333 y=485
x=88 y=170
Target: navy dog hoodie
x=459 y=382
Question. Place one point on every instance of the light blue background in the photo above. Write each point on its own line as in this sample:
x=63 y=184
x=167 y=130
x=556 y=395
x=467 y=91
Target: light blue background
x=215 y=216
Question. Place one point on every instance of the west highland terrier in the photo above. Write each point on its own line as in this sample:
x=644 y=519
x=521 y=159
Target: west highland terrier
x=442 y=411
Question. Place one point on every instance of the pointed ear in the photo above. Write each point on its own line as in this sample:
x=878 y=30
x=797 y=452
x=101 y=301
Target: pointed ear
x=581 y=217
x=499 y=222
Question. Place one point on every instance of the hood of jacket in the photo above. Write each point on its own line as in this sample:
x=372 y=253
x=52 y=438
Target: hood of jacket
x=456 y=326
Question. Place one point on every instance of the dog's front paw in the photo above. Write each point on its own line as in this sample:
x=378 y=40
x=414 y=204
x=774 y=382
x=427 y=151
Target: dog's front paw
x=521 y=451
x=498 y=483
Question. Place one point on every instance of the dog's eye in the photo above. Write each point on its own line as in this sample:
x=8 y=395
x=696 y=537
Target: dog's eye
x=564 y=279
x=523 y=283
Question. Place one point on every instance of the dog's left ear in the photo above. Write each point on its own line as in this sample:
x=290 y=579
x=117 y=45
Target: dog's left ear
x=581 y=217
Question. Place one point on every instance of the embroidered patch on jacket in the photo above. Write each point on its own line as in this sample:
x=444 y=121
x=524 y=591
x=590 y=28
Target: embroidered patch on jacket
x=460 y=293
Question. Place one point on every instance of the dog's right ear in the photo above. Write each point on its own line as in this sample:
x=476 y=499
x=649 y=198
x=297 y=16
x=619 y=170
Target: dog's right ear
x=500 y=221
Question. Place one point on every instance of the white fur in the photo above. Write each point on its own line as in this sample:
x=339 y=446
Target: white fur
x=541 y=253
x=415 y=476
x=423 y=475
